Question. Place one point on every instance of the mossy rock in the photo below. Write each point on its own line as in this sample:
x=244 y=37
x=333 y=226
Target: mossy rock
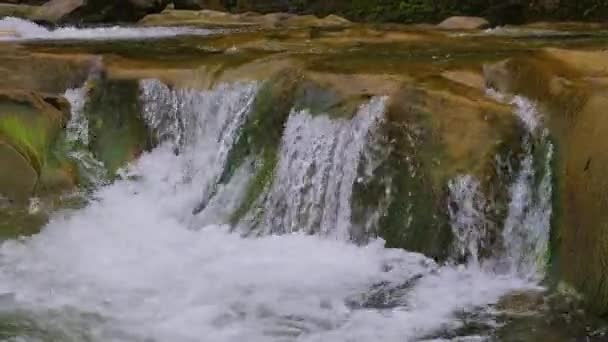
x=433 y=133
x=261 y=134
x=15 y=222
x=574 y=106
x=18 y=178
x=117 y=131
x=29 y=125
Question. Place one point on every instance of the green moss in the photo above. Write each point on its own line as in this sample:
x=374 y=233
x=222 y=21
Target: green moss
x=263 y=129
x=414 y=217
x=30 y=139
x=15 y=222
x=117 y=131
x=260 y=181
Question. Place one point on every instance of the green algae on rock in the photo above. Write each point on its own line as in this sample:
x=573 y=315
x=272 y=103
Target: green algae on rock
x=29 y=124
x=117 y=130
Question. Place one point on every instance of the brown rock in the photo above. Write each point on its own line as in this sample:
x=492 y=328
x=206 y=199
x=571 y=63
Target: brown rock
x=464 y=23
x=75 y=11
x=17 y=176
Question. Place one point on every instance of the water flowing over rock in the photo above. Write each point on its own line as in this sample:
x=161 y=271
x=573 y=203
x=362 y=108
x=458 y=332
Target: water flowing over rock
x=316 y=172
x=199 y=124
x=308 y=183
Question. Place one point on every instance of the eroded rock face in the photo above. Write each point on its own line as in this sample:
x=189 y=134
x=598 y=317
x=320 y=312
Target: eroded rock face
x=94 y=11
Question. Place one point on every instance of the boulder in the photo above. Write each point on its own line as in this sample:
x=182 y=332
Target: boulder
x=97 y=11
x=464 y=23
x=29 y=124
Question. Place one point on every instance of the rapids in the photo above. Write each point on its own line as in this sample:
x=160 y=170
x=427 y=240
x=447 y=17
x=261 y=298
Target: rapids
x=154 y=255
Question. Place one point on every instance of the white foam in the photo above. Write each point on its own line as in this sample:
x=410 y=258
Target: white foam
x=466 y=208
x=129 y=259
x=317 y=168
x=15 y=29
x=129 y=267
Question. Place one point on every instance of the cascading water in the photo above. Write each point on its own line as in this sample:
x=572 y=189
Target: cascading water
x=177 y=115
x=467 y=217
x=526 y=227
x=317 y=168
x=528 y=224
x=137 y=265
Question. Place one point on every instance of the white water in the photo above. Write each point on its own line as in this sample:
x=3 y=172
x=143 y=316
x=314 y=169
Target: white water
x=317 y=168
x=15 y=29
x=129 y=267
x=527 y=226
x=77 y=136
x=466 y=208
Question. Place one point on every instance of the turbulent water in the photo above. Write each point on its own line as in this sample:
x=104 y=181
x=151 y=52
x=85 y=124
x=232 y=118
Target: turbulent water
x=137 y=265
x=15 y=29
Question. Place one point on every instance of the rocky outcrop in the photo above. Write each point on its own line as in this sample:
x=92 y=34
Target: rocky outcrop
x=96 y=11
x=464 y=23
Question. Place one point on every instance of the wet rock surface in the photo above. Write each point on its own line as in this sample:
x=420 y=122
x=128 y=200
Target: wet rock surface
x=440 y=122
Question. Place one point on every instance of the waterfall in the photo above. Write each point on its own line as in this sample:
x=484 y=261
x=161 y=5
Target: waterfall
x=202 y=126
x=527 y=225
x=91 y=170
x=466 y=209
x=136 y=264
x=317 y=168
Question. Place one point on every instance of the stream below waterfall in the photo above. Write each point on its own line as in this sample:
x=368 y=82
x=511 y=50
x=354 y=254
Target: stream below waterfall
x=158 y=254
